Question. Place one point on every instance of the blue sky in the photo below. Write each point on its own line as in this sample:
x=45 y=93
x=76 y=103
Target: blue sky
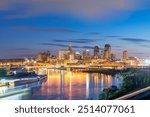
x=30 y=26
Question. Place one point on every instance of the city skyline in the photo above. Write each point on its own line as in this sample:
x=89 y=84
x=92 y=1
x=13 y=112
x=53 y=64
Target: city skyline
x=28 y=27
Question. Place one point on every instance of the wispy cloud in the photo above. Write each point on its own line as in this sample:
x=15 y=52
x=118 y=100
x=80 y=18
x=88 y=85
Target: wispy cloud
x=112 y=36
x=87 y=47
x=136 y=53
x=52 y=44
x=78 y=41
x=94 y=33
x=22 y=49
x=144 y=45
x=27 y=55
x=116 y=46
x=135 y=40
x=79 y=8
x=60 y=30
x=65 y=46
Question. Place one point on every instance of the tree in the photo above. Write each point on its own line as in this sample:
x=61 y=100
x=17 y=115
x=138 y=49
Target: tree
x=2 y=72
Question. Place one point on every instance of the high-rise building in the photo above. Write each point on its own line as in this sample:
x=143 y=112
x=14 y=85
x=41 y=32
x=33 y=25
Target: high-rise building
x=64 y=54
x=85 y=53
x=125 y=56
x=108 y=48
x=96 y=52
x=71 y=57
x=43 y=56
x=106 y=54
x=113 y=56
x=70 y=49
x=102 y=54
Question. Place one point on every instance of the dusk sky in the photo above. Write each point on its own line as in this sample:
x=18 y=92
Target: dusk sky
x=30 y=26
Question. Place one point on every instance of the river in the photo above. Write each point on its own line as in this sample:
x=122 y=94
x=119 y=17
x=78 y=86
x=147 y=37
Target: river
x=67 y=85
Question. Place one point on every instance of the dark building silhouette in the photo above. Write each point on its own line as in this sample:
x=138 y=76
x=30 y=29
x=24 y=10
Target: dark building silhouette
x=96 y=52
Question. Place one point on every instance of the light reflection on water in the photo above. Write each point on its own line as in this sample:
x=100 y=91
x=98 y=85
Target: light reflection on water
x=70 y=85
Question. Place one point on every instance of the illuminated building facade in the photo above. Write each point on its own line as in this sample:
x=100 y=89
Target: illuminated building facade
x=77 y=56
x=64 y=54
x=125 y=56
x=70 y=49
x=113 y=57
x=86 y=54
x=107 y=51
x=43 y=56
x=105 y=54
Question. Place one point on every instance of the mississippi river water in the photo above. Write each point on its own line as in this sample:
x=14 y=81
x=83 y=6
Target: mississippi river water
x=64 y=85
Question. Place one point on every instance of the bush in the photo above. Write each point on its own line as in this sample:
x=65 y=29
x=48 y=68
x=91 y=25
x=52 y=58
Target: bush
x=2 y=72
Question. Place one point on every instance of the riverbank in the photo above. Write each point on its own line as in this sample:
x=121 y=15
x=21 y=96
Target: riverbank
x=133 y=80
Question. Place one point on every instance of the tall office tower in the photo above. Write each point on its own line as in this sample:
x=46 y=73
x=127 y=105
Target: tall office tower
x=96 y=52
x=108 y=48
x=64 y=54
x=113 y=57
x=85 y=53
x=70 y=49
x=40 y=57
x=106 y=54
x=125 y=56
x=43 y=56
x=48 y=53
x=72 y=57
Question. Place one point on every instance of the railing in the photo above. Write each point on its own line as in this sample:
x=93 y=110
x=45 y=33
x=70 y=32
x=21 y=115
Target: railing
x=136 y=93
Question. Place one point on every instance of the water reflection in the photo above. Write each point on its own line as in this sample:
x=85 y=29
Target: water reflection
x=69 y=85
x=73 y=85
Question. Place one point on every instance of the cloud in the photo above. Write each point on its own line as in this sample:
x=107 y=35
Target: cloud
x=3 y=8
x=79 y=41
x=87 y=47
x=135 y=40
x=94 y=33
x=87 y=9
x=64 y=45
x=22 y=49
x=116 y=46
x=136 y=53
x=112 y=36
x=144 y=45
x=61 y=30
x=52 y=44
x=27 y=55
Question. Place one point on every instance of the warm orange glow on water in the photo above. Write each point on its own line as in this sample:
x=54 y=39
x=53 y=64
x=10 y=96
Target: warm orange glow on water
x=74 y=85
x=69 y=85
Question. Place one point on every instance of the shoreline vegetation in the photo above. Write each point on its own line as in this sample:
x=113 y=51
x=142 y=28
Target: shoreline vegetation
x=133 y=79
x=2 y=72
